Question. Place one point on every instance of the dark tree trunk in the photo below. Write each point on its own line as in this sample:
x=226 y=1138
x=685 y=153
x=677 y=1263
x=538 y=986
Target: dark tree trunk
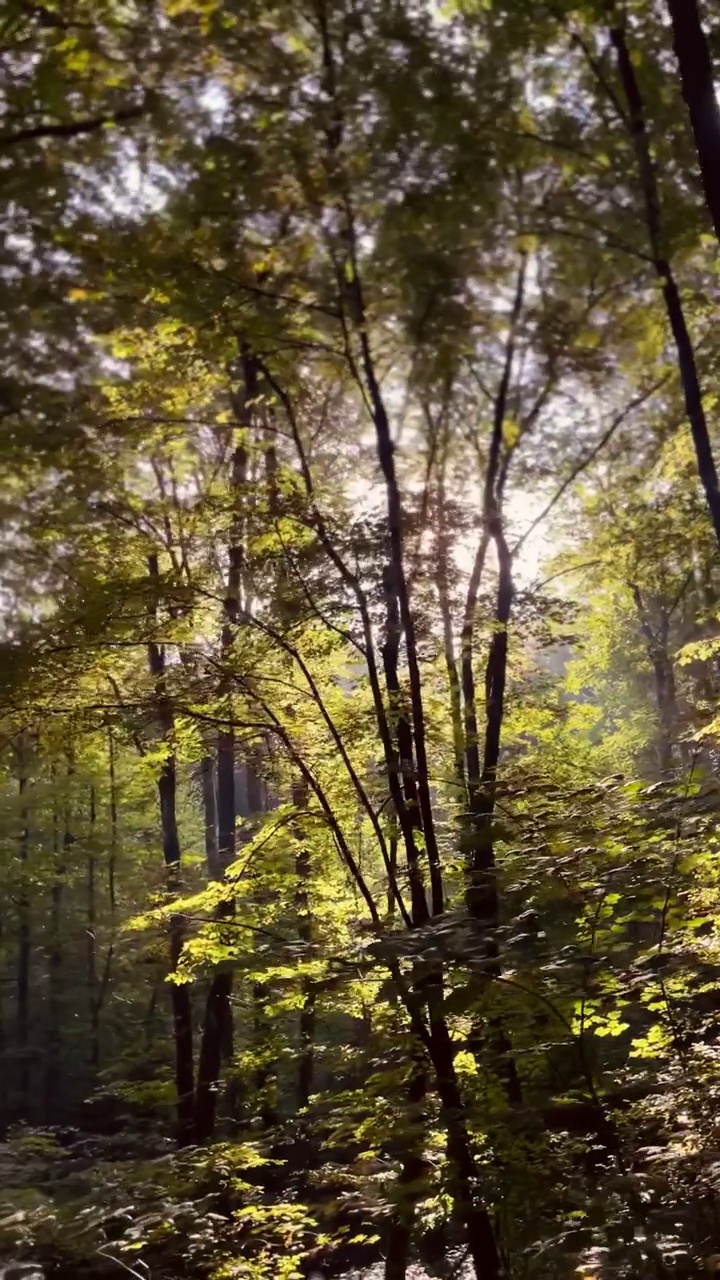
x=217 y=1037
x=210 y=814
x=306 y=1030
x=409 y=1186
x=482 y=769
x=664 y=678
x=53 y=1055
x=250 y=807
x=91 y=941
x=657 y=646
x=687 y=364
x=482 y=894
x=112 y=859
x=698 y=89
x=4 y=1081
x=24 y=947
x=410 y=815
x=216 y=1044
x=180 y=996
x=481 y=1240
x=442 y=578
x=482 y=900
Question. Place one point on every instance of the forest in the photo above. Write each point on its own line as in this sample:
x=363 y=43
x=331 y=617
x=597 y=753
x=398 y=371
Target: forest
x=359 y=639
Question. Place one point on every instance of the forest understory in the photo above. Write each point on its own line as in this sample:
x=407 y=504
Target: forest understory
x=359 y=640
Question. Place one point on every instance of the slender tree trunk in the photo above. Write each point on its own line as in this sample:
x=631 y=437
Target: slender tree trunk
x=216 y=1042
x=210 y=814
x=4 y=1081
x=180 y=995
x=657 y=646
x=481 y=1240
x=24 y=946
x=687 y=364
x=410 y=815
x=451 y=665
x=91 y=938
x=409 y=1186
x=53 y=1055
x=217 y=1034
x=250 y=806
x=303 y=873
x=698 y=88
x=664 y=677
x=112 y=859
x=392 y=871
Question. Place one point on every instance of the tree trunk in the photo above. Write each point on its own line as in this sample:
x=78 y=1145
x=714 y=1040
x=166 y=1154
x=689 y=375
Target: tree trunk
x=481 y=1241
x=698 y=89
x=210 y=814
x=24 y=947
x=657 y=646
x=112 y=859
x=687 y=364
x=409 y=1186
x=250 y=806
x=409 y=816
x=4 y=1081
x=217 y=1034
x=91 y=939
x=306 y=1030
x=180 y=996
x=53 y=1057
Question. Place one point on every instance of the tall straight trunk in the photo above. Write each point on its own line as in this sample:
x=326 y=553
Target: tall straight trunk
x=4 y=1081
x=251 y=805
x=664 y=679
x=306 y=1029
x=24 y=958
x=657 y=647
x=698 y=88
x=687 y=364
x=112 y=856
x=210 y=817
x=409 y=1186
x=91 y=939
x=464 y=1173
x=216 y=1041
x=53 y=1041
x=451 y=665
x=180 y=996
x=392 y=870
x=410 y=815
x=482 y=898
x=482 y=769
x=482 y=894
x=217 y=1036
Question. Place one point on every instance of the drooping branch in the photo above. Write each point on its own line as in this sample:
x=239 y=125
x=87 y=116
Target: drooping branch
x=70 y=128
